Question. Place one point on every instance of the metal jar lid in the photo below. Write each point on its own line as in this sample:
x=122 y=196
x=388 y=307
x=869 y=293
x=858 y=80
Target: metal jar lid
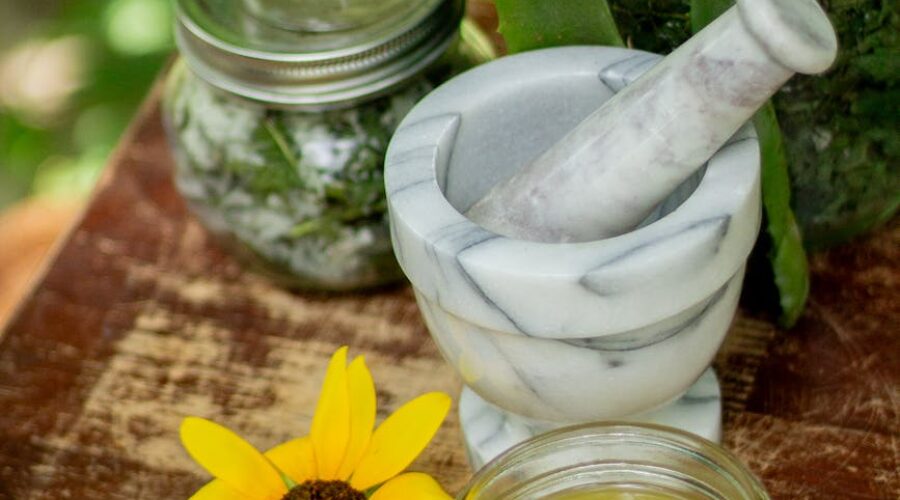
x=231 y=46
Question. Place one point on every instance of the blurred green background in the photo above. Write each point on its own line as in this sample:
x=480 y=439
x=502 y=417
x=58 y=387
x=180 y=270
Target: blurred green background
x=72 y=73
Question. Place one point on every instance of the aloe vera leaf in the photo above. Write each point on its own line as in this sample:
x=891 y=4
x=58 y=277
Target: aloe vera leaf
x=537 y=24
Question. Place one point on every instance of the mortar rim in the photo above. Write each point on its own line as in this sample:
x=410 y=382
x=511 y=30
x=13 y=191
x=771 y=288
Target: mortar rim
x=439 y=129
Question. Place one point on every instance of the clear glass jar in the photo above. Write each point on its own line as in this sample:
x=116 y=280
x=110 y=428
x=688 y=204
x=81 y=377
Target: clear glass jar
x=615 y=461
x=279 y=130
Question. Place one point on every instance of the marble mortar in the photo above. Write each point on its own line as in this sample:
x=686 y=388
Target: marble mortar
x=550 y=334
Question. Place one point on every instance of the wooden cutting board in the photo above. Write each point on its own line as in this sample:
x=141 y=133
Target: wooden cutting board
x=141 y=319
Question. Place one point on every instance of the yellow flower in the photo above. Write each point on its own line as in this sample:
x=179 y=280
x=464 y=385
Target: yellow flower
x=341 y=448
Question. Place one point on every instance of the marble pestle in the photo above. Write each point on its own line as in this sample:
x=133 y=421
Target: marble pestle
x=605 y=176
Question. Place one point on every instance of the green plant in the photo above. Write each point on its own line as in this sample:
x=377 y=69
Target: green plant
x=111 y=52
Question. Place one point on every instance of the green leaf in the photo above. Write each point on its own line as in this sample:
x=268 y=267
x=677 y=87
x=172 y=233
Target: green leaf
x=704 y=12
x=280 y=172
x=536 y=24
x=787 y=256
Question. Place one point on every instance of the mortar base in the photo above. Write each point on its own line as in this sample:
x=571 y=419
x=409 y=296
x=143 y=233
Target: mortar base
x=489 y=431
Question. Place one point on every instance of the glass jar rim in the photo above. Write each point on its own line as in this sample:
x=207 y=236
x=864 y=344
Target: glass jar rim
x=346 y=67
x=690 y=448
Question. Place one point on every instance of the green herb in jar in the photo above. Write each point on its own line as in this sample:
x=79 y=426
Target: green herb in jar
x=304 y=191
x=279 y=132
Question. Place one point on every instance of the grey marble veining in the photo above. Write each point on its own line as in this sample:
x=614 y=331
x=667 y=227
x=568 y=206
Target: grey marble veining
x=578 y=380
x=606 y=175
x=489 y=430
x=603 y=283
x=565 y=332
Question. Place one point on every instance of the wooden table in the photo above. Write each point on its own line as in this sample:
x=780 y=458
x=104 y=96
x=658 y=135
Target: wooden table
x=141 y=319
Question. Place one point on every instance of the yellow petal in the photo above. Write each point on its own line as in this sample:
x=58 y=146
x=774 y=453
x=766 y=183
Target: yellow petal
x=217 y=490
x=330 y=429
x=295 y=458
x=229 y=458
x=400 y=439
x=411 y=485
x=362 y=414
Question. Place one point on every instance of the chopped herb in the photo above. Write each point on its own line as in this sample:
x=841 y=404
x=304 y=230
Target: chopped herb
x=302 y=190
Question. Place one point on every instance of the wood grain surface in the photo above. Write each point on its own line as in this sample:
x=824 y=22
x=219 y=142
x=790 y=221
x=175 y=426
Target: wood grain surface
x=142 y=319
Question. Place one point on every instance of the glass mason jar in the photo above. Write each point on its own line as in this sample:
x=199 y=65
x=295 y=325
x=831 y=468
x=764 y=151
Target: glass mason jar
x=615 y=461
x=279 y=126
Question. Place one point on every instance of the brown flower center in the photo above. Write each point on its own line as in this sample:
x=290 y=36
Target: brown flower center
x=323 y=490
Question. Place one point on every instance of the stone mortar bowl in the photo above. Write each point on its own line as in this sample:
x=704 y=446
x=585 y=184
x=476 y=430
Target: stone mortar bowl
x=570 y=332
